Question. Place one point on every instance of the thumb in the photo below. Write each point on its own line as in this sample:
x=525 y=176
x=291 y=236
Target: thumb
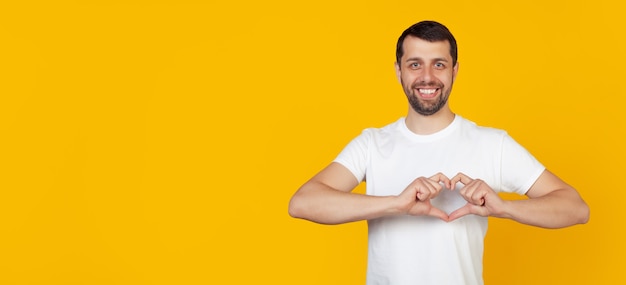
x=437 y=213
x=460 y=212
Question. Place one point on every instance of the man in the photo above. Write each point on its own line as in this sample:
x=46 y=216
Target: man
x=433 y=178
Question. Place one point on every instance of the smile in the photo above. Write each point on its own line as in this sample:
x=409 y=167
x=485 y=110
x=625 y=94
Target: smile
x=428 y=93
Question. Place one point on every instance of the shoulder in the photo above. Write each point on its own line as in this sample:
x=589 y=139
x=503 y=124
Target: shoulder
x=470 y=128
x=378 y=138
x=385 y=131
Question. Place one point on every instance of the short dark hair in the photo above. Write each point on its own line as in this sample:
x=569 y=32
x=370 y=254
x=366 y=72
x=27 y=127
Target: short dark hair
x=429 y=31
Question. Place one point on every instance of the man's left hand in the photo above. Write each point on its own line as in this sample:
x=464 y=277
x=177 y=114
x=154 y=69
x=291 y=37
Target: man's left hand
x=481 y=199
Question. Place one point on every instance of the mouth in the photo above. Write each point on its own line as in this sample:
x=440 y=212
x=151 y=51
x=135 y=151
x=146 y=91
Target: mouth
x=427 y=93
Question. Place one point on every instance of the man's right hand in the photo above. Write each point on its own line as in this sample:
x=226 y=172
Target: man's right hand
x=415 y=199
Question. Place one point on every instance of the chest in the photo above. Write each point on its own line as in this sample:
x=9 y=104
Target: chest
x=393 y=167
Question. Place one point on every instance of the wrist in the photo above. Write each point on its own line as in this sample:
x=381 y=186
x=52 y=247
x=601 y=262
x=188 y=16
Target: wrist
x=505 y=211
x=395 y=206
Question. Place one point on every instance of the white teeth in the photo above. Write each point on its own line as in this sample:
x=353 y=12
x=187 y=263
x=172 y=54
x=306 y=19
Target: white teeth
x=427 y=91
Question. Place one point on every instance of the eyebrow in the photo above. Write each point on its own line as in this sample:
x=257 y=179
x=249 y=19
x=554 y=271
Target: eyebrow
x=419 y=58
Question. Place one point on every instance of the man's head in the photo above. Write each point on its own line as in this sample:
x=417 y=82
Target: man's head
x=426 y=66
x=430 y=31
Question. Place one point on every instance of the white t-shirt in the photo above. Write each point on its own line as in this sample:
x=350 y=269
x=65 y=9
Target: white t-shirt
x=426 y=250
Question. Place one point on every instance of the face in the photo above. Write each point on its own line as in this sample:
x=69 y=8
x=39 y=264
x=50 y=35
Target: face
x=426 y=74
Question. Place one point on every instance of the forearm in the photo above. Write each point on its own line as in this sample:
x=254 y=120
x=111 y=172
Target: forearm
x=322 y=204
x=558 y=209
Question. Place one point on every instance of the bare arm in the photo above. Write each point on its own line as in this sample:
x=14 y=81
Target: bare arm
x=552 y=204
x=327 y=198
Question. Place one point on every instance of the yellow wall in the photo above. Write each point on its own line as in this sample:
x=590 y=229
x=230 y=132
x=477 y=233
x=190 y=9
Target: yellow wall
x=159 y=142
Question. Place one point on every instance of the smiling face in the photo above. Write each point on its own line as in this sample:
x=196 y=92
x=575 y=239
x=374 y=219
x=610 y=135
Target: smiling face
x=426 y=73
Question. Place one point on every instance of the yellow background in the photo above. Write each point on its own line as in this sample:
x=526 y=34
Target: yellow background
x=159 y=142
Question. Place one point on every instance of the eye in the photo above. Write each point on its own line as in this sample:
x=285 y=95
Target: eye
x=440 y=65
x=414 y=65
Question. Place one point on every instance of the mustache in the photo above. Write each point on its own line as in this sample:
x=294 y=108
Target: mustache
x=429 y=84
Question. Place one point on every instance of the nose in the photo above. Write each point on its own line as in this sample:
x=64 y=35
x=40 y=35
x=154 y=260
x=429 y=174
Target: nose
x=427 y=74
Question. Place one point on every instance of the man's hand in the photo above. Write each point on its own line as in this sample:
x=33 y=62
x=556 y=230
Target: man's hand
x=415 y=199
x=481 y=199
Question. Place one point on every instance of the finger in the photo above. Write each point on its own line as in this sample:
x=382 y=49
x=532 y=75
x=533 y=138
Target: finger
x=440 y=177
x=467 y=191
x=478 y=198
x=460 y=212
x=460 y=177
x=474 y=192
x=425 y=190
x=435 y=212
x=428 y=189
x=435 y=187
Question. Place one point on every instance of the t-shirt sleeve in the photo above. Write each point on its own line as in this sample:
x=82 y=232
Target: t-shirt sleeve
x=520 y=169
x=354 y=156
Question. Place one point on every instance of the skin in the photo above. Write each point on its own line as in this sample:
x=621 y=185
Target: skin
x=425 y=67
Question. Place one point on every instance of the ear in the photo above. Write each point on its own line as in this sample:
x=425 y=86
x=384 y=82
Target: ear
x=399 y=73
x=455 y=70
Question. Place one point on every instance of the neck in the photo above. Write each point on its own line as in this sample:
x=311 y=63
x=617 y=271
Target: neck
x=426 y=125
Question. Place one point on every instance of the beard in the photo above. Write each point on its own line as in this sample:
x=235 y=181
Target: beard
x=426 y=108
